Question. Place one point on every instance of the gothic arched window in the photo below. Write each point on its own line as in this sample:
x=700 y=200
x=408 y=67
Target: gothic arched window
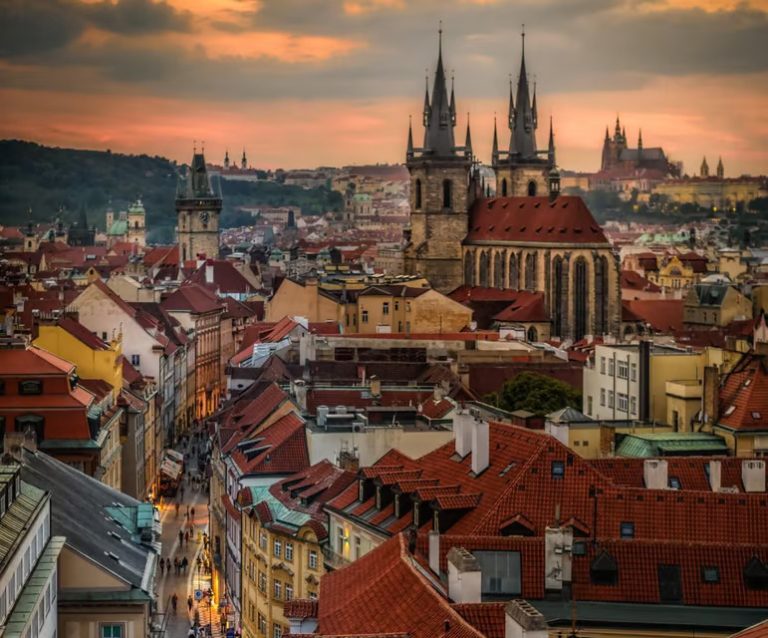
x=531 y=189
x=484 y=267
x=504 y=187
x=559 y=296
x=601 y=295
x=530 y=271
x=498 y=270
x=580 y=298
x=513 y=280
x=447 y=193
x=417 y=194
x=469 y=269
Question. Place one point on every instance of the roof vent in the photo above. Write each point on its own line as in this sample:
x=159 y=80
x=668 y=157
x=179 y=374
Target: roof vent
x=537 y=204
x=113 y=556
x=115 y=535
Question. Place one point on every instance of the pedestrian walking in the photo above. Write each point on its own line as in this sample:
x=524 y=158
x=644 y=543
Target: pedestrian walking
x=189 y=603
x=193 y=512
x=176 y=565
x=177 y=510
x=186 y=537
x=184 y=564
x=174 y=602
x=181 y=537
x=162 y=567
x=199 y=562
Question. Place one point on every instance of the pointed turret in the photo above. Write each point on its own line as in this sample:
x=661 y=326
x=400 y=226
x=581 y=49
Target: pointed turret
x=511 y=114
x=438 y=136
x=409 y=150
x=704 y=171
x=453 y=104
x=495 y=150
x=468 y=141
x=607 y=137
x=426 y=111
x=720 y=168
x=624 y=134
x=523 y=142
x=226 y=158
x=551 y=149
x=244 y=161
x=534 y=109
x=617 y=130
x=640 y=143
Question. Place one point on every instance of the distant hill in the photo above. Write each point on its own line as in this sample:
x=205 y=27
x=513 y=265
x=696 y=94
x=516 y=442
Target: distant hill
x=45 y=179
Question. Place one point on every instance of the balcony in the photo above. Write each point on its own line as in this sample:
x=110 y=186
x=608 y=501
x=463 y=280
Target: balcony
x=333 y=560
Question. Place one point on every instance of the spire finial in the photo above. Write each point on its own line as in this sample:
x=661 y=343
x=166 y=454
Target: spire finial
x=194 y=146
x=440 y=39
x=522 y=35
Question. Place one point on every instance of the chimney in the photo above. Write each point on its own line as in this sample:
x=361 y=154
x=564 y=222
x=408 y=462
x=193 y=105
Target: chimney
x=437 y=393
x=711 y=398
x=752 y=475
x=300 y=394
x=523 y=620
x=480 y=446
x=715 y=475
x=464 y=576
x=200 y=260
x=434 y=551
x=209 y=271
x=644 y=367
x=375 y=386
x=13 y=442
x=557 y=557
x=462 y=432
x=656 y=474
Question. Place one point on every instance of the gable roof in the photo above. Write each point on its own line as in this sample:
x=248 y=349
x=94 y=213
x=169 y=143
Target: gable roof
x=81 y=333
x=191 y=297
x=567 y=220
x=744 y=395
x=664 y=315
x=631 y=280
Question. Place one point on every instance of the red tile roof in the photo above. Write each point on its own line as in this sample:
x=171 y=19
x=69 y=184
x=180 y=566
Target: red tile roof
x=664 y=315
x=280 y=448
x=463 y=294
x=300 y=608
x=226 y=279
x=366 y=597
x=567 y=220
x=755 y=631
x=82 y=334
x=744 y=395
x=631 y=280
x=488 y=618
x=527 y=307
x=433 y=409
x=32 y=361
x=192 y=298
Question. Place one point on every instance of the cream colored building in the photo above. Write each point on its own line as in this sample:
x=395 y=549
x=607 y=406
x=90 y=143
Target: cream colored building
x=713 y=192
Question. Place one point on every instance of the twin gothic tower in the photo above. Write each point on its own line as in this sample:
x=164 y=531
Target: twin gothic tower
x=526 y=238
x=445 y=182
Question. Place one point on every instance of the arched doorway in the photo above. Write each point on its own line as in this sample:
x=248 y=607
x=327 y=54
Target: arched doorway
x=531 y=189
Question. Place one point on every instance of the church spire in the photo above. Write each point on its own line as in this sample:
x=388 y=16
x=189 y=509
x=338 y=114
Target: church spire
x=426 y=100
x=617 y=130
x=409 y=151
x=607 y=137
x=534 y=109
x=468 y=141
x=704 y=171
x=511 y=115
x=495 y=151
x=452 y=107
x=438 y=136
x=551 y=149
x=523 y=140
x=640 y=141
x=720 y=168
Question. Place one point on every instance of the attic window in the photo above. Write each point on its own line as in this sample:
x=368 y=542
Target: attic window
x=756 y=574
x=550 y=229
x=522 y=229
x=627 y=529
x=579 y=548
x=490 y=228
x=565 y=204
x=507 y=229
x=730 y=410
x=756 y=416
x=710 y=574
x=537 y=204
x=558 y=469
x=747 y=382
x=506 y=469
x=674 y=483
x=538 y=229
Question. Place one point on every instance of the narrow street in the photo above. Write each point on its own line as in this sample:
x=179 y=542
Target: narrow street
x=184 y=583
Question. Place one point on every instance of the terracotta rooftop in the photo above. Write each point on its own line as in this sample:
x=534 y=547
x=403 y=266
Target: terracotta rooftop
x=82 y=334
x=567 y=220
x=744 y=395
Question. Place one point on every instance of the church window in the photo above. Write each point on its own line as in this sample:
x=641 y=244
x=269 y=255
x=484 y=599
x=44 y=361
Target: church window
x=447 y=193
x=498 y=270
x=559 y=295
x=533 y=334
x=469 y=269
x=417 y=194
x=530 y=271
x=504 y=187
x=514 y=278
x=580 y=298
x=484 y=266
x=531 y=189
x=601 y=295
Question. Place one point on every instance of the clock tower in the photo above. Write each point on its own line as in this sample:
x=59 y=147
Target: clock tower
x=198 y=209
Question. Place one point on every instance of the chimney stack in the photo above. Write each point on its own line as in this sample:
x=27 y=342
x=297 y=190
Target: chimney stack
x=464 y=576
x=523 y=620
x=656 y=474
x=209 y=271
x=715 y=475
x=752 y=475
x=462 y=431
x=480 y=446
x=434 y=551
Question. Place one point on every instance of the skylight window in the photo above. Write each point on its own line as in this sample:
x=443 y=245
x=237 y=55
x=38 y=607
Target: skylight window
x=558 y=469
x=710 y=574
x=730 y=410
x=756 y=415
x=674 y=483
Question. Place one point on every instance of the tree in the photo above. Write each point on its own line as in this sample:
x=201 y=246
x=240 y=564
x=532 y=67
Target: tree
x=536 y=393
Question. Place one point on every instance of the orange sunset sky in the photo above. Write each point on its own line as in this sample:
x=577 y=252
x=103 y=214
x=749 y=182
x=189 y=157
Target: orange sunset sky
x=302 y=83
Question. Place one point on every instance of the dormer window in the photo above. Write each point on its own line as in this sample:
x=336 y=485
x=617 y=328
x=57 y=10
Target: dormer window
x=32 y=386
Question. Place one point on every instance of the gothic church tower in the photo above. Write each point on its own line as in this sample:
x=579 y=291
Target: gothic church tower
x=441 y=193
x=197 y=211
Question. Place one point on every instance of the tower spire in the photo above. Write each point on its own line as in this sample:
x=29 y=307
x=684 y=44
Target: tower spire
x=523 y=138
x=495 y=152
x=440 y=117
x=452 y=106
x=551 y=150
x=426 y=99
x=640 y=141
x=511 y=114
x=468 y=141
x=607 y=137
x=409 y=150
x=534 y=109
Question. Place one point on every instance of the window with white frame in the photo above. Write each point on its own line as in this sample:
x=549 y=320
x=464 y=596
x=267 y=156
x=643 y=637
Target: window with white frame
x=111 y=631
x=602 y=397
x=602 y=365
x=263 y=540
x=288 y=551
x=277 y=589
x=622 y=401
x=633 y=405
x=312 y=559
x=288 y=591
x=610 y=367
x=633 y=372
x=277 y=548
x=622 y=369
x=610 y=398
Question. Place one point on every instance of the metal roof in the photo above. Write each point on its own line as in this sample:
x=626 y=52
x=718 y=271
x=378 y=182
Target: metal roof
x=17 y=519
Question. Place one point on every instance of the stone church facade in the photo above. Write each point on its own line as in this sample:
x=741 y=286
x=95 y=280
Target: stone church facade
x=527 y=237
x=198 y=209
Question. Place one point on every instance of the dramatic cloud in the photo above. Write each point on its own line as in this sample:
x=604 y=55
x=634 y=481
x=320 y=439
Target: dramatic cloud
x=332 y=62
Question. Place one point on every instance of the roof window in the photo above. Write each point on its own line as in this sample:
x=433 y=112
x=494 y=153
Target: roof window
x=730 y=410
x=627 y=529
x=558 y=469
x=756 y=415
x=710 y=574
